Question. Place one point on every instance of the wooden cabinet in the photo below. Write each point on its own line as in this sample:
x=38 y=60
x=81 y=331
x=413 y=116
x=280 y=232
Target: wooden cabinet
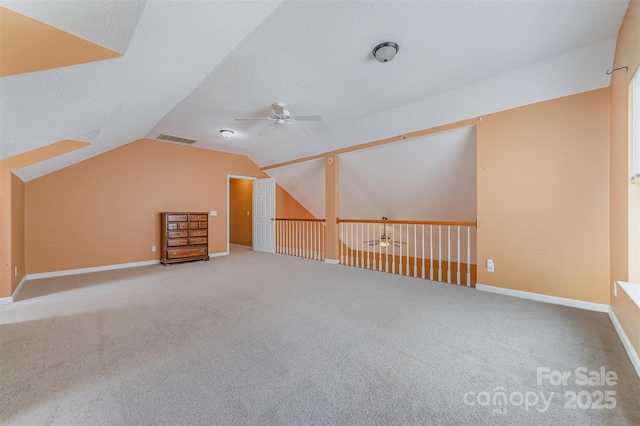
x=185 y=237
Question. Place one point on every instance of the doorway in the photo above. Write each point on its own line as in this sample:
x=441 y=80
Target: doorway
x=241 y=212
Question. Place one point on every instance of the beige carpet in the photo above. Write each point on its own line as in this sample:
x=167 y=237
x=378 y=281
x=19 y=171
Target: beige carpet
x=265 y=339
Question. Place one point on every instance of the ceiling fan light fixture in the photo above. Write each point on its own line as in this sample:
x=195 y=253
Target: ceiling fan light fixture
x=385 y=52
x=227 y=133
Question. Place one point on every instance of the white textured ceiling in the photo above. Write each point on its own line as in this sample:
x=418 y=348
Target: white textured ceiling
x=427 y=178
x=437 y=179
x=190 y=67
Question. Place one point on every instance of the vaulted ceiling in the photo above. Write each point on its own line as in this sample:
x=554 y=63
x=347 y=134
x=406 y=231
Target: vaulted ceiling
x=189 y=68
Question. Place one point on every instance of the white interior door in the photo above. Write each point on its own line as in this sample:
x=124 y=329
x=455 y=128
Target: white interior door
x=264 y=215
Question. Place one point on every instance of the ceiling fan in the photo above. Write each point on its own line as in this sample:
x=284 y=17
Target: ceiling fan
x=384 y=240
x=281 y=117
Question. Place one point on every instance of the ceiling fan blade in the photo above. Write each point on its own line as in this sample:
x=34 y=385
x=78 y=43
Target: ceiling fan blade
x=278 y=108
x=252 y=118
x=307 y=118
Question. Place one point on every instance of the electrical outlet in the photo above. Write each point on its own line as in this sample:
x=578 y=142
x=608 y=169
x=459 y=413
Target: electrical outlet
x=490 y=265
x=213 y=213
x=153 y=248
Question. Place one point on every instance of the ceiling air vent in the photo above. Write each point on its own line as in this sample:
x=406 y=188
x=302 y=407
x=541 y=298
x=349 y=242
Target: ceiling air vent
x=176 y=139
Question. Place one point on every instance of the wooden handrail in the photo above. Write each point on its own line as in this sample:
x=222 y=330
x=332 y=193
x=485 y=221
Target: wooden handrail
x=408 y=222
x=300 y=220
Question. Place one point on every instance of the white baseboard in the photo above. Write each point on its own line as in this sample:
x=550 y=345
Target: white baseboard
x=633 y=356
x=332 y=261
x=6 y=300
x=580 y=304
x=15 y=293
x=102 y=268
x=222 y=253
x=88 y=270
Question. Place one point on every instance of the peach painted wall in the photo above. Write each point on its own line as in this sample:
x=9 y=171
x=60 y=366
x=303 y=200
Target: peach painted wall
x=29 y=45
x=543 y=197
x=11 y=246
x=240 y=203
x=288 y=207
x=625 y=197
x=105 y=210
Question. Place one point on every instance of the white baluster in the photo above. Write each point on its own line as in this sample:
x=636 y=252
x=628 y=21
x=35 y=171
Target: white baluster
x=393 y=249
x=312 y=232
x=468 y=256
x=374 y=248
x=368 y=245
x=399 y=260
x=458 y=261
x=352 y=260
x=408 y=269
x=323 y=229
x=341 y=243
x=423 y=268
x=439 y=253
x=431 y=252
x=449 y=254
x=347 y=248
x=381 y=255
x=360 y=245
x=415 y=251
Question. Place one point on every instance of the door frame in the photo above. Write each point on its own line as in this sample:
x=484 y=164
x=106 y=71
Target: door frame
x=229 y=177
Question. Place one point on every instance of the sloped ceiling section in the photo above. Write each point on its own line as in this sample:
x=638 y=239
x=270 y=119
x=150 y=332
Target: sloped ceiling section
x=189 y=68
x=427 y=178
x=174 y=46
x=457 y=60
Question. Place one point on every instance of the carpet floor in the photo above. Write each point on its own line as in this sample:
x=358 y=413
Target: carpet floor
x=266 y=339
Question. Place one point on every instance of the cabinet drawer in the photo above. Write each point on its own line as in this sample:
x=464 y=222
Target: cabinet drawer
x=203 y=225
x=199 y=217
x=177 y=218
x=186 y=252
x=193 y=225
x=198 y=240
x=171 y=226
x=183 y=225
x=177 y=234
x=177 y=242
x=198 y=233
